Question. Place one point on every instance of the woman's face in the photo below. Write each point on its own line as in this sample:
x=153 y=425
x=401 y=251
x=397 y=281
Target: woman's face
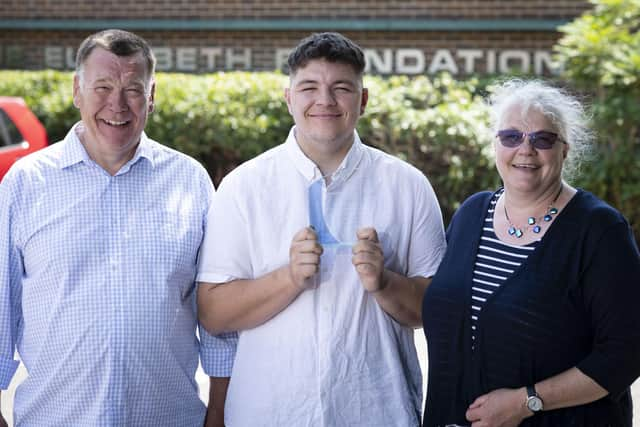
x=524 y=168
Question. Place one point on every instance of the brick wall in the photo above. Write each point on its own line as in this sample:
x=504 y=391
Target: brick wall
x=200 y=50
x=33 y=47
x=282 y=9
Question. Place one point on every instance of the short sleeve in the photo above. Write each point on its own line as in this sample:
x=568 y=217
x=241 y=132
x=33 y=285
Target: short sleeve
x=10 y=276
x=217 y=352
x=224 y=253
x=428 y=243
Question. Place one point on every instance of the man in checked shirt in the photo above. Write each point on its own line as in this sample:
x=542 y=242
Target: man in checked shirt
x=100 y=239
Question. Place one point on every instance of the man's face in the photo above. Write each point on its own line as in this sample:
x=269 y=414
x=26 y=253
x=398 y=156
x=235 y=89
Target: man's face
x=325 y=99
x=115 y=96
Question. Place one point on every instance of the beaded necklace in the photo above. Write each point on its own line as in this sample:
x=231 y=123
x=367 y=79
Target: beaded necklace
x=533 y=221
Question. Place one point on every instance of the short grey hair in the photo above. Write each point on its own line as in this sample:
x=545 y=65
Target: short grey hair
x=118 y=42
x=565 y=112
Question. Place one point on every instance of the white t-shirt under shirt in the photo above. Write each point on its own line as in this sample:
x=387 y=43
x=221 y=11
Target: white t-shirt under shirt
x=333 y=356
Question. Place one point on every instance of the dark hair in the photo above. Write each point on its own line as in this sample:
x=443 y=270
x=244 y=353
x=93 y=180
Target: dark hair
x=118 y=42
x=333 y=47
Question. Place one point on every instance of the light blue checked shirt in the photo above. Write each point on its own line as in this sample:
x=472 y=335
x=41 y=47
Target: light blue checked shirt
x=97 y=288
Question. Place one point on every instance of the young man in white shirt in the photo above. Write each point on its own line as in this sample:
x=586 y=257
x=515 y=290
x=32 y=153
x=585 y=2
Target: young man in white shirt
x=318 y=253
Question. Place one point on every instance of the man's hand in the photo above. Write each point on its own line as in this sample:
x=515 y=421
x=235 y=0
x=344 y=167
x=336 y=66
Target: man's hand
x=304 y=256
x=499 y=408
x=368 y=259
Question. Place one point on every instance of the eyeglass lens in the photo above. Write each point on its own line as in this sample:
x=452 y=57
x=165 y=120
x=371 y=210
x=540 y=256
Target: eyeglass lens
x=541 y=140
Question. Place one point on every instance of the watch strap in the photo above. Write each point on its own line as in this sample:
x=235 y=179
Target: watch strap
x=531 y=391
x=534 y=403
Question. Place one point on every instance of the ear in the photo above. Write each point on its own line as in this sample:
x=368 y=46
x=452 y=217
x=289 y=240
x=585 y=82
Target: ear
x=364 y=99
x=287 y=97
x=565 y=151
x=76 y=90
x=152 y=96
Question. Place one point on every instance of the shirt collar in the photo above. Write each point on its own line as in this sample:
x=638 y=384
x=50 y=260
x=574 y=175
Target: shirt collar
x=311 y=171
x=74 y=152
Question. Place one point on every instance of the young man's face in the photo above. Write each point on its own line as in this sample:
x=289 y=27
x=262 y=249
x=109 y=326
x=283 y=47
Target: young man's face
x=325 y=99
x=115 y=96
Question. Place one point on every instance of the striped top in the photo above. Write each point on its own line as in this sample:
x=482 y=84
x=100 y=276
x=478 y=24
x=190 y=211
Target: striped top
x=495 y=263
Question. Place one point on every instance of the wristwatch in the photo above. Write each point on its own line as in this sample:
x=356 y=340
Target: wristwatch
x=534 y=403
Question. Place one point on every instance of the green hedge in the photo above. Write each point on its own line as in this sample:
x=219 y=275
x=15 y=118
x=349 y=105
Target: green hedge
x=48 y=94
x=600 y=55
x=224 y=119
x=438 y=124
x=221 y=119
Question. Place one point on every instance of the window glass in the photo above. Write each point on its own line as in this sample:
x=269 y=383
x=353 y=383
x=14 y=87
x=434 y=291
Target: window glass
x=9 y=133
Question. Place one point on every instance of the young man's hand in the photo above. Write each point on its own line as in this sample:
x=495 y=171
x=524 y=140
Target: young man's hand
x=304 y=256
x=368 y=259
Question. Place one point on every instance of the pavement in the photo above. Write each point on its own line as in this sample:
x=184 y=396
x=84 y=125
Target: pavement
x=203 y=382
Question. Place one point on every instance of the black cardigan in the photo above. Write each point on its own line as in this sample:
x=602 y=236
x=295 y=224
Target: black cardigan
x=574 y=302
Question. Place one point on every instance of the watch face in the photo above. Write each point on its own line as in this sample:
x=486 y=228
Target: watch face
x=534 y=403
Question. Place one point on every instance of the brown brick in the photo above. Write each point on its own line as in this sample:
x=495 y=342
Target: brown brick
x=32 y=44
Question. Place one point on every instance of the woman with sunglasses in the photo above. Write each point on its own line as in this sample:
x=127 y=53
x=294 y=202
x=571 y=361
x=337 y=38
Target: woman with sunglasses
x=533 y=317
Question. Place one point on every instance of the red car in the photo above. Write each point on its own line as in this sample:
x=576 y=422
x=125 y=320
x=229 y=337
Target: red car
x=21 y=132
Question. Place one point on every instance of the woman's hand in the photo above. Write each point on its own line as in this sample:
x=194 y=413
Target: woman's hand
x=499 y=408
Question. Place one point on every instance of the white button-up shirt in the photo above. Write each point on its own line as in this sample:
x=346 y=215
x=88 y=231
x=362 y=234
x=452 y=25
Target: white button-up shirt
x=333 y=357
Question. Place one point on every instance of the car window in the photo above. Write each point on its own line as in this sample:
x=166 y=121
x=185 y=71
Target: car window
x=9 y=133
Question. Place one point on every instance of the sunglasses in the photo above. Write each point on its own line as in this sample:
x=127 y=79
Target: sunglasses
x=540 y=140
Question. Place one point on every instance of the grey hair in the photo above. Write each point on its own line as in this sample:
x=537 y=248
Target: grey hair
x=120 y=43
x=565 y=112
